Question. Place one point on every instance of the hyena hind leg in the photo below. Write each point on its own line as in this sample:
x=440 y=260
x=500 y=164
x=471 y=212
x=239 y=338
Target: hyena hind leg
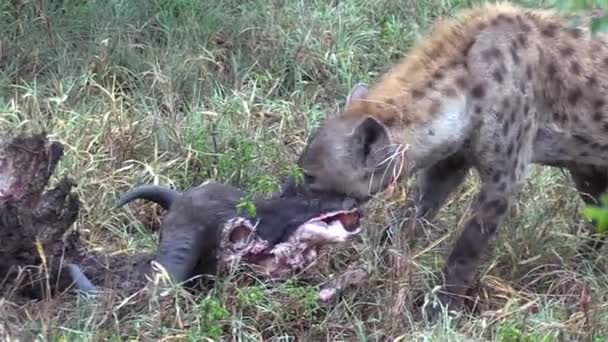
x=591 y=182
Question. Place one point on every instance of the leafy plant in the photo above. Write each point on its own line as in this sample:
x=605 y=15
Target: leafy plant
x=212 y=312
x=246 y=205
x=599 y=214
x=599 y=24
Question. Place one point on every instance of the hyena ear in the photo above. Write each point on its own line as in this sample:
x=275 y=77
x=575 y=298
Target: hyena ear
x=372 y=141
x=359 y=92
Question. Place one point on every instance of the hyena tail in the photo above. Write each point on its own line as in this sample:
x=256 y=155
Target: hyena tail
x=161 y=195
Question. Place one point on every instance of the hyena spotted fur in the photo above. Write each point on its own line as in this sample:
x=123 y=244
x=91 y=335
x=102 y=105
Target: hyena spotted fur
x=495 y=89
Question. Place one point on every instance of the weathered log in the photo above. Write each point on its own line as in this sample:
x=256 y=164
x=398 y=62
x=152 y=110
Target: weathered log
x=29 y=214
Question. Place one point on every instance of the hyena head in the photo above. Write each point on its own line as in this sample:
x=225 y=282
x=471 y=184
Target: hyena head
x=349 y=154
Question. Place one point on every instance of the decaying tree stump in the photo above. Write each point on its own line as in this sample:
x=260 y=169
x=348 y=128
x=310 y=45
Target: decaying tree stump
x=29 y=214
x=36 y=242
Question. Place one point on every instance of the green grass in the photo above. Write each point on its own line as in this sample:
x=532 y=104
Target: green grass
x=181 y=92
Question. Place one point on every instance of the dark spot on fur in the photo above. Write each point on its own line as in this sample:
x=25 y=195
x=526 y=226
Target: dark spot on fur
x=450 y=92
x=514 y=54
x=434 y=108
x=522 y=24
x=390 y=102
x=430 y=84
x=557 y=116
x=481 y=26
x=551 y=70
x=455 y=63
x=605 y=61
x=541 y=53
x=528 y=72
x=477 y=110
x=549 y=30
x=526 y=109
x=581 y=139
x=505 y=103
x=499 y=205
x=523 y=41
x=499 y=116
x=417 y=94
x=566 y=51
x=513 y=117
x=497 y=148
x=575 y=32
x=598 y=103
x=438 y=75
x=521 y=168
x=496 y=178
x=495 y=22
x=505 y=128
x=575 y=68
x=461 y=82
x=510 y=149
x=592 y=81
x=481 y=197
x=605 y=127
x=497 y=75
x=491 y=53
x=520 y=134
x=502 y=186
x=478 y=91
x=519 y=148
x=574 y=96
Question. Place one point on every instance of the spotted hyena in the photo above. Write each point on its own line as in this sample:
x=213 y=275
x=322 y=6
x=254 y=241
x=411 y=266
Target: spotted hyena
x=495 y=89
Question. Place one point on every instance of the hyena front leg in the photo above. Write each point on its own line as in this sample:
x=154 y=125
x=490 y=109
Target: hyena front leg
x=435 y=184
x=488 y=210
x=501 y=176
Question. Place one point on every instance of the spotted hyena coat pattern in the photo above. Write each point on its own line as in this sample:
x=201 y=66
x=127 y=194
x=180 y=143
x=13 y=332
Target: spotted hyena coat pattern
x=533 y=93
x=495 y=89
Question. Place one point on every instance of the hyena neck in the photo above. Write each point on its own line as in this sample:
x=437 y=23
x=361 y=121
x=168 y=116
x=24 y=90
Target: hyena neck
x=430 y=120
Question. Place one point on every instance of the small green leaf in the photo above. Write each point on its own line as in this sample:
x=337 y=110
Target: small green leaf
x=599 y=215
x=604 y=201
x=599 y=24
x=298 y=175
x=248 y=206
